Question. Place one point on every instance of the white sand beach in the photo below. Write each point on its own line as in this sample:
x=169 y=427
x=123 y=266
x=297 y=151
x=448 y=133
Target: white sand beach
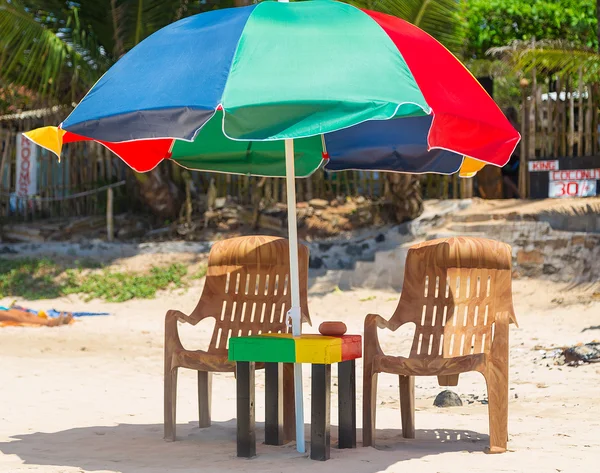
x=88 y=397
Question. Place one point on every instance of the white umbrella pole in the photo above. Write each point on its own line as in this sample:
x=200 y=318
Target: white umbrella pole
x=294 y=312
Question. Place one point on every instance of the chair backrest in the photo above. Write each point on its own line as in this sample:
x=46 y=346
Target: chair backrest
x=247 y=288
x=453 y=289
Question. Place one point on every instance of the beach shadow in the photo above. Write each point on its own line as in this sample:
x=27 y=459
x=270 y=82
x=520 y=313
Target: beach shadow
x=591 y=327
x=139 y=448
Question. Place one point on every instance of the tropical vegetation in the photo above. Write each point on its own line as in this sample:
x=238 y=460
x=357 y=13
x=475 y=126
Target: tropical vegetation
x=54 y=50
x=59 y=48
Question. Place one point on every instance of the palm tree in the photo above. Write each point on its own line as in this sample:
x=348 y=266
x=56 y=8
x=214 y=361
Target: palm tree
x=554 y=56
x=441 y=19
x=59 y=48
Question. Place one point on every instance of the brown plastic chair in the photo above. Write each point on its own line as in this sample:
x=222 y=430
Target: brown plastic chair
x=457 y=292
x=246 y=292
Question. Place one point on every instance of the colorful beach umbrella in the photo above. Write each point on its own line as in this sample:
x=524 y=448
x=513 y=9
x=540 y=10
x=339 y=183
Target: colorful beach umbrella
x=280 y=89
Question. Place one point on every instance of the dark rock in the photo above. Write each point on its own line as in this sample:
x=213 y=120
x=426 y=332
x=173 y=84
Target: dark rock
x=5 y=250
x=403 y=229
x=325 y=246
x=344 y=264
x=584 y=353
x=315 y=262
x=447 y=398
x=354 y=250
x=380 y=238
x=549 y=269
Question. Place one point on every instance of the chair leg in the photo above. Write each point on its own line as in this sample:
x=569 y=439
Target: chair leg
x=448 y=380
x=497 y=386
x=204 y=397
x=369 y=406
x=170 y=407
x=407 y=406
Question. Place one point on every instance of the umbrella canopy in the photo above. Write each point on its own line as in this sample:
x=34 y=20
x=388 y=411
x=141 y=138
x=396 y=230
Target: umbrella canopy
x=198 y=90
x=274 y=89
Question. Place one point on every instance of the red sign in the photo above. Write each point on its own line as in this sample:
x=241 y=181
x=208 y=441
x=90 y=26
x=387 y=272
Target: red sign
x=26 y=167
x=572 y=189
x=543 y=166
x=575 y=175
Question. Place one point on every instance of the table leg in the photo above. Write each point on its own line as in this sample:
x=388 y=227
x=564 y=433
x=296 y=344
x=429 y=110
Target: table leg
x=273 y=403
x=320 y=438
x=289 y=403
x=246 y=434
x=347 y=404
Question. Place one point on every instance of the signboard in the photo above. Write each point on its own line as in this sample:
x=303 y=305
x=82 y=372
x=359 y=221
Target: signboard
x=577 y=176
x=572 y=188
x=537 y=166
x=27 y=154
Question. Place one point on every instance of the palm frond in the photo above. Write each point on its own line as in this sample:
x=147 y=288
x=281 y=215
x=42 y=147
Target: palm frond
x=495 y=68
x=440 y=18
x=550 y=56
x=159 y=13
x=39 y=54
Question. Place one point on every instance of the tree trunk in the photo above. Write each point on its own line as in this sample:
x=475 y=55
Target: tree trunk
x=489 y=182
x=159 y=193
x=156 y=189
x=404 y=194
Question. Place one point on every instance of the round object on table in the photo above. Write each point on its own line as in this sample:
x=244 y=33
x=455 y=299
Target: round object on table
x=334 y=329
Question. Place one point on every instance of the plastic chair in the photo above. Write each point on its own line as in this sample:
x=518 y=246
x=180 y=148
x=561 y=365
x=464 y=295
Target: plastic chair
x=246 y=292
x=457 y=292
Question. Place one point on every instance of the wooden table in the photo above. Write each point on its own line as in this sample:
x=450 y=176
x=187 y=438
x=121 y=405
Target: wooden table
x=321 y=352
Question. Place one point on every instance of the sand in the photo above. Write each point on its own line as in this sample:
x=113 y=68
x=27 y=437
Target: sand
x=88 y=397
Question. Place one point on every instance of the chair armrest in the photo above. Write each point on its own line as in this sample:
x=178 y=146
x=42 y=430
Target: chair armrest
x=177 y=315
x=378 y=321
x=499 y=346
x=372 y=323
x=171 y=333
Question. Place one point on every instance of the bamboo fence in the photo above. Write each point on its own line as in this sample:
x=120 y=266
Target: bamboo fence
x=559 y=118
x=77 y=185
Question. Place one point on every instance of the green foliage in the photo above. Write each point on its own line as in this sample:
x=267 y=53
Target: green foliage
x=552 y=57
x=29 y=278
x=44 y=279
x=440 y=18
x=44 y=53
x=59 y=48
x=200 y=273
x=123 y=286
x=495 y=23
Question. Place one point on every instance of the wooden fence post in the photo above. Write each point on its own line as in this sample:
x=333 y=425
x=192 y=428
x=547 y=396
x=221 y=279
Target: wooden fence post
x=466 y=188
x=109 y=215
x=524 y=140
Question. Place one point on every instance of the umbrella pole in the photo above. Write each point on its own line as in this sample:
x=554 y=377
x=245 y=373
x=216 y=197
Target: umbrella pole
x=294 y=312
